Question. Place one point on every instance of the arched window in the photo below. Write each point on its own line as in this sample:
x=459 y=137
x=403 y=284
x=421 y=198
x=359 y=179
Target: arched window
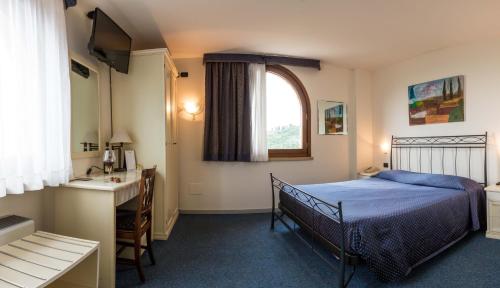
x=288 y=114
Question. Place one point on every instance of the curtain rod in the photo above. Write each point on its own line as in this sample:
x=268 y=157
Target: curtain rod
x=261 y=59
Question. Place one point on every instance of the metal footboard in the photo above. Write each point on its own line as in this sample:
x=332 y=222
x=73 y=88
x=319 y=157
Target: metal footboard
x=318 y=208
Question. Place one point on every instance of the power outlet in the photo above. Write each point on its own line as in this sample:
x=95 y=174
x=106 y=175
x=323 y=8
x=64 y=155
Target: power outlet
x=386 y=165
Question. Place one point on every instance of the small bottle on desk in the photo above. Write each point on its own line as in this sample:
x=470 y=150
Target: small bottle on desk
x=109 y=159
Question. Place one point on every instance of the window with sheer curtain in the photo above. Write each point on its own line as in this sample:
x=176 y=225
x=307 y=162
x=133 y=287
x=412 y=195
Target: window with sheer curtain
x=34 y=96
x=288 y=114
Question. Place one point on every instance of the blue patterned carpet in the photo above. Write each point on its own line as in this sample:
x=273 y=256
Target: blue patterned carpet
x=240 y=251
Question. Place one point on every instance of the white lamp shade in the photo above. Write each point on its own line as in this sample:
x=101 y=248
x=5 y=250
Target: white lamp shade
x=192 y=107
x=385 y=147
x=91 y=137
x=121 y=136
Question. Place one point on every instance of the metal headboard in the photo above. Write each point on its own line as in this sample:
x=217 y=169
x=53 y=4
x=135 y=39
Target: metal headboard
x=427 y=149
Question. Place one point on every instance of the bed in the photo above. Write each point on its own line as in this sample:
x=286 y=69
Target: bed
x=400 y=218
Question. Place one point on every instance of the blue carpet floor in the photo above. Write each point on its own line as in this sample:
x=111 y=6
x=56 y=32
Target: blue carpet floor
x=240 y=251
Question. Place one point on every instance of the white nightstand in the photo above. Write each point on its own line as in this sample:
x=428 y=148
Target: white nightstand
x=493 y=211
x=364 y=175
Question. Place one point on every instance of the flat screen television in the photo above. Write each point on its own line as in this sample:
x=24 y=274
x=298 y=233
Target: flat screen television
x=109 y=43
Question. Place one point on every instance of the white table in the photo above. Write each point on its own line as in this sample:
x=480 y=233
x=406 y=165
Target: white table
x=493 y=211
x=86 y=209
x=367 y=175
x=49 y=260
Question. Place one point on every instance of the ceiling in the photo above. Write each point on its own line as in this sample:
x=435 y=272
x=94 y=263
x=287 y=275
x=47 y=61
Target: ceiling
x=351 y=33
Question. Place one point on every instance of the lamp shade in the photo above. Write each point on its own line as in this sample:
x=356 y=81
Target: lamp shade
x=91 y=137
x=385 y=147
x=121 y=136
x=192 y=107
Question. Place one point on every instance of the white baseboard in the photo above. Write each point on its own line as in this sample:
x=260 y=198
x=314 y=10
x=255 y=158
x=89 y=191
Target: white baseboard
x=244 y=211
x=170 y=225
x=492 y=234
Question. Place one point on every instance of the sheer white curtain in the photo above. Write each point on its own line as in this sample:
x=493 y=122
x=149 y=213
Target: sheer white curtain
x=257 y=81
x=34 y=96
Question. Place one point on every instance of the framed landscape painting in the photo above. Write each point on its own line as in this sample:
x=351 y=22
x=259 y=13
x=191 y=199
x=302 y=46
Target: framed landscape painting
x=437 y=101
x=332 y=118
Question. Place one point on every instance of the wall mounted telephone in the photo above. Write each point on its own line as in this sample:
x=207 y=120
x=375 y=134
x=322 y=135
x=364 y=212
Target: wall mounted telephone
x=371 y=169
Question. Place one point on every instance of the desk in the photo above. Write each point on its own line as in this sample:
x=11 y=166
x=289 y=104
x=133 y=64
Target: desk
x=86 y=209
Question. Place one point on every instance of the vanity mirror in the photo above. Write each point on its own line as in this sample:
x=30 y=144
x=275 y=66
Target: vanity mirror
x=85 y=132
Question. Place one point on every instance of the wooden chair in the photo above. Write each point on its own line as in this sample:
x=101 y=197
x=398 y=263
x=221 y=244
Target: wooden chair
x=132 y=225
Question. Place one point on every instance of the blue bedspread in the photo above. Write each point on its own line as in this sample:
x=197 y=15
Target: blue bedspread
x=398 y=219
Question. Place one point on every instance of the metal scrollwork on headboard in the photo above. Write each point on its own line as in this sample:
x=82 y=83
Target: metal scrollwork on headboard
x=453 y=155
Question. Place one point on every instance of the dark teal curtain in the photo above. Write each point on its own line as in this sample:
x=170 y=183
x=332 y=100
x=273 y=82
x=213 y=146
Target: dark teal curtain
x=227 y=112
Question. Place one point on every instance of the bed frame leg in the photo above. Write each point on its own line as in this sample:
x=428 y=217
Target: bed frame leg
x=273 y=216
x=272 y=220
x=342 y=275
x=342 y=248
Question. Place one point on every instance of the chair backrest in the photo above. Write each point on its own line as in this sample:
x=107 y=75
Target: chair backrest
x=146 y=190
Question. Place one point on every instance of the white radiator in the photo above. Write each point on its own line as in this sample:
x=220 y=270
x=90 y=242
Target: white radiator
x=13 y=227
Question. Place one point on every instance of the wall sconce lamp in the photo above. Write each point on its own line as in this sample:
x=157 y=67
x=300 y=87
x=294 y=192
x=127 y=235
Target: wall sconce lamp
x=192 y=108
x=384 y=147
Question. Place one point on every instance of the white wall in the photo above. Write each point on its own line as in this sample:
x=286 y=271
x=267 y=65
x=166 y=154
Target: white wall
x=478 y=62
x=364 y=118
x=30 y=204
x=240 y=186
x=378 y=108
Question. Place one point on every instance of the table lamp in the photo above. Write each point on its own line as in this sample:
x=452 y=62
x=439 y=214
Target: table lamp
x=90 y=141
x=120 y=137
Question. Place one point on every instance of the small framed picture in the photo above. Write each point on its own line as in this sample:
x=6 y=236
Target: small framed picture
x=332 y=118
x=130 y=160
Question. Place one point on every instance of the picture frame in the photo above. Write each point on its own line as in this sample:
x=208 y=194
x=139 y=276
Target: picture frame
x=332 y=117
x=130 y=160
x=437 y=101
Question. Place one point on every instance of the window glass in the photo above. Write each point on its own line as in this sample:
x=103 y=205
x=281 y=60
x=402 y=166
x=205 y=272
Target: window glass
x=284 y=114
